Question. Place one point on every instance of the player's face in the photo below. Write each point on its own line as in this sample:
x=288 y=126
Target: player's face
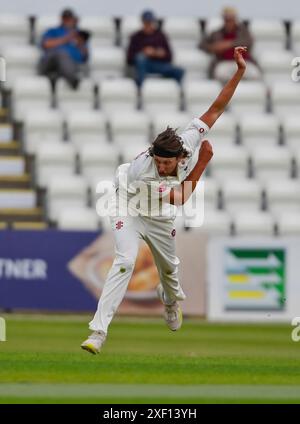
x=166 y=166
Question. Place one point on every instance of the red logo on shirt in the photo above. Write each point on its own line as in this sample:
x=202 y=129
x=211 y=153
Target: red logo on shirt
x=162 y=188
x=119 y=225
x=201 y=130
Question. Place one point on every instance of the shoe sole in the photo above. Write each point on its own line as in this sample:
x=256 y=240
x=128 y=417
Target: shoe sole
x=89 y=348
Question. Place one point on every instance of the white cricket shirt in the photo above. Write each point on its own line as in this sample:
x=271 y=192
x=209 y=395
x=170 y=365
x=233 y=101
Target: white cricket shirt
x=143 y=170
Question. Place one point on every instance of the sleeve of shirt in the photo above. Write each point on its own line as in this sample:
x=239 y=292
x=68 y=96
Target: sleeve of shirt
x=194 y=134
x=50 y=33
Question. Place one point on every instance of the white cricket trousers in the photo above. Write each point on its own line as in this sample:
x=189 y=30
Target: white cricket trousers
x=160 y=236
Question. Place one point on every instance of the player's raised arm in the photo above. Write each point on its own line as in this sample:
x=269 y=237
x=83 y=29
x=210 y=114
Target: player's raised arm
x=219 y=105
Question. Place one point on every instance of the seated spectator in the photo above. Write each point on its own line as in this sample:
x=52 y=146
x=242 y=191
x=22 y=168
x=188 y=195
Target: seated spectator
x=149 y=52
x=221 y=44
x=65 y=50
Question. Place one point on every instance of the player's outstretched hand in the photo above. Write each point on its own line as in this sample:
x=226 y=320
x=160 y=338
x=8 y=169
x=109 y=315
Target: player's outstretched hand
x=205 y=152
x=238 y=57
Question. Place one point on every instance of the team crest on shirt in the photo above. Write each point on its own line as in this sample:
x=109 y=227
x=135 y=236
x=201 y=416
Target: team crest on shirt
x=119 y=225
x=173 y=233
x=162 y=188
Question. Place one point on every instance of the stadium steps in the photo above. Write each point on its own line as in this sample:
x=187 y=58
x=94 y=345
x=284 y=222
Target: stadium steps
x=29 y=225
x=15 y=181
x=21 y=205
x=3 y=113
x=10 y=149
x=24 y=215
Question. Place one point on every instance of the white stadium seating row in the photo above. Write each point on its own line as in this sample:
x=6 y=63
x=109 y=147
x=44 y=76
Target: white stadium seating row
x=156 y=95
x=79 y=137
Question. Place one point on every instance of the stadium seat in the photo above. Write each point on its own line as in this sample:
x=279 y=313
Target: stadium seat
x=215 y=223
x=42 y=126
x=20 y=62
x=54 y=159
x=66 y=191
x=224 y=130
x=271 y=162
x=268 y=34
x=241 y=195
x=194 y=61
x=78 y=218
x=118 y=95
x=160 y=95
x=14 y=30
x=83 y=98
x=129 y=25
x=211 y=193
x=183 y=32
x=176 y=120
x=291 y=131
x=30 y=93
x=229 y=162
x=276 y=65
x=288 y=224
x=259 y=130
x=250 y=97
x=107 y=62
x=131 y=151
x=253 y=223
x=96 y=161
x=285 y=97
x=102 y=29
x=199 y=95
x=108 y=177
x=213 y=24
x=295 y=37
x=86 y=126
x=130 y=127
x=296 y=155
x=283 y=195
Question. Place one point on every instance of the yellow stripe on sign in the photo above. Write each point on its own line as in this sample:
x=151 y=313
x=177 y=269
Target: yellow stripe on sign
x=238 y=278
x=246 y=294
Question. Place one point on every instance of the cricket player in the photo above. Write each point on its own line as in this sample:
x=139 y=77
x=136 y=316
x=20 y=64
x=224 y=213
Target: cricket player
x=172 y=162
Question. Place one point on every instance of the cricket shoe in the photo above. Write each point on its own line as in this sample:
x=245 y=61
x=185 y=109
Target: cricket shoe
x=94 y=343
x=173 y=314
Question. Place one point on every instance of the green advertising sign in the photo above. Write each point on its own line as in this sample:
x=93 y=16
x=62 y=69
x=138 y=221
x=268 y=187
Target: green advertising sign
x=255 y=279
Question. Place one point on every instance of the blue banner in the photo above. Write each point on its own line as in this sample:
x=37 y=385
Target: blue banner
x=34 y=271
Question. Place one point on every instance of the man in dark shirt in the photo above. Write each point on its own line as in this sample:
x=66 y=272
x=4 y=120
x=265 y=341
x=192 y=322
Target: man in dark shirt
x=149 y=52
x=65 y=49
x=221 y=44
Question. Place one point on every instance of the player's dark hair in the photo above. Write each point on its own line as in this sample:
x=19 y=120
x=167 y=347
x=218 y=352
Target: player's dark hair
x=170 y=143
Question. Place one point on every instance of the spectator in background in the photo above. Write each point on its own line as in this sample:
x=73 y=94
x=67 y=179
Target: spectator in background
x=221 y=44
x=149 y=52
x=65 y=50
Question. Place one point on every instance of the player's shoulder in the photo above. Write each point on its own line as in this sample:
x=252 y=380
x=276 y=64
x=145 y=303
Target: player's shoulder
x=198 y=124
x=140 y=163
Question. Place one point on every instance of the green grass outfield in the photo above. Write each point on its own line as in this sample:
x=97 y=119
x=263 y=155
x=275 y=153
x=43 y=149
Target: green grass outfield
x=143 y=362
